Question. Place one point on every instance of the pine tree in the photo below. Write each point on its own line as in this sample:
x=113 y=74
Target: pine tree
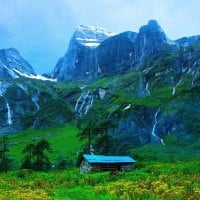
x=41 y=160
x=36 y=157
x=5 y=162
x=29 y=158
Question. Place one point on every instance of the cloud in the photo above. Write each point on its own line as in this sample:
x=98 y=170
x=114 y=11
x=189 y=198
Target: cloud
x=41 y=29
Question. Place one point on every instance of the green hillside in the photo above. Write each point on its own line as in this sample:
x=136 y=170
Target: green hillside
x=63 y=140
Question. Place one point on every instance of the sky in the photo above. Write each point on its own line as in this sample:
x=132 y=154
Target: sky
x=41 y=29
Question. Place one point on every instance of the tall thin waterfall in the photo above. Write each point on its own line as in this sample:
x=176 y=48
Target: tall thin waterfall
x=78 y=102
x=154 y=128
x=147 y=88
x=9 y=119
x=174 y=88
x=155 y=123
x=35 y=100
x=89 y=104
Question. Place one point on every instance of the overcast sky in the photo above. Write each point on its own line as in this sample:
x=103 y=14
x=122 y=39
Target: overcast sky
x=41 y=29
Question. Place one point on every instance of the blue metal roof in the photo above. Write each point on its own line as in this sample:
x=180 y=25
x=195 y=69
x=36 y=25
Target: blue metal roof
x=108 y=159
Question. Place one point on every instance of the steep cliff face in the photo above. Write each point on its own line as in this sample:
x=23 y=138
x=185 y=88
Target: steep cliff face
x=12 y=65
x=151 y=42
x=80 y=60
x=95 y=52
x=116 y=54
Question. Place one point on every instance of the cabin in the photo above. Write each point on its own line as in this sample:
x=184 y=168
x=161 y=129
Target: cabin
x=97 y=163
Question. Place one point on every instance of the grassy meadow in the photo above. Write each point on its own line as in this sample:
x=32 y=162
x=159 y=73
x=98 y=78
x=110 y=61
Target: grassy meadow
x=154 y=180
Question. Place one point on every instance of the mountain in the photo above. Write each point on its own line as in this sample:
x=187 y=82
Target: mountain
x=94 y=52
x=19 y=93
x=13 y=65
x=79 y=61
x=143 y=88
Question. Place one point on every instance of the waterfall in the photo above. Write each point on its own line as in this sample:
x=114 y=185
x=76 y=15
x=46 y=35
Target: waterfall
x=127 y=107
x=147 y=88
x=162 y=142
x=35 y=123
x=154 y=128
x=144 y=44
x=142 y=50
x=9 y=119
x=78 y=102
x=37 y=105
x=155 y=123
x=192 y=83
x=193 y=78
x=98 y=70
x=84 y=103
x=35 y=99
x=89 y=104
x=24 y=88
x=174 y=88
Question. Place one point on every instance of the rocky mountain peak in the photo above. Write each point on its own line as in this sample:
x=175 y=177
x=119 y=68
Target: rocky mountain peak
x=152 y=29
x=153 y=23
x=80 y=60
x=91 y=36
x=12 y=64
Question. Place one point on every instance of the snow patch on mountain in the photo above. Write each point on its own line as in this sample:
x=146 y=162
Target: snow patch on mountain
x=91 y=36
x=40 y=77
x=12 y=74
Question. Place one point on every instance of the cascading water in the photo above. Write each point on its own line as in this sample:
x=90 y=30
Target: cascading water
x=155 y=123
x=89 y=104
x=174 y=88
x=81 y=110
x=84 y=103
x=35 y=100
x=154 y=128
x=78 y=102
x=9 y=119
x=147 y=88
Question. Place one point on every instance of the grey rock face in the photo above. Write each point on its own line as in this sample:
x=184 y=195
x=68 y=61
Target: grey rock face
x=94 y=52
x=12 y=64
x=115 y=55
x=151 y=42
x=80 y=62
